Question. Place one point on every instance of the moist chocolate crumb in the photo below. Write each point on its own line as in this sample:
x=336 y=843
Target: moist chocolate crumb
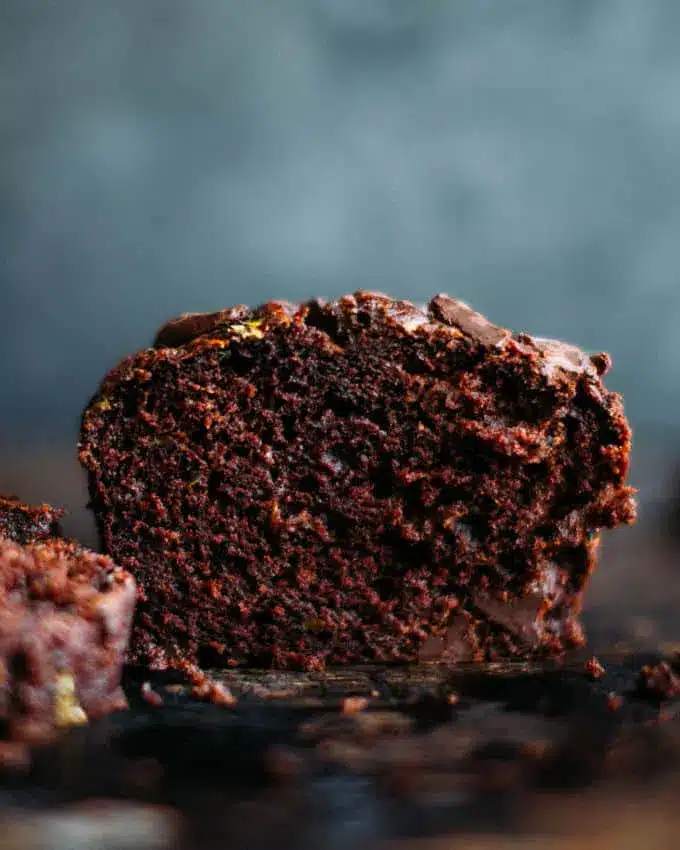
x=355 y=481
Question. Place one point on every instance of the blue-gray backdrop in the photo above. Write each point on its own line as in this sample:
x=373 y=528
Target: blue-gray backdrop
x=158 y=156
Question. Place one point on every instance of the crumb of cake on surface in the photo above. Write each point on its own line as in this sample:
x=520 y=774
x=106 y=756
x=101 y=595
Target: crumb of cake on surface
x=594 y=668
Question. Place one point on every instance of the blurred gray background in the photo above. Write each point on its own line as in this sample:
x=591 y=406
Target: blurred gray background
x=161 y=156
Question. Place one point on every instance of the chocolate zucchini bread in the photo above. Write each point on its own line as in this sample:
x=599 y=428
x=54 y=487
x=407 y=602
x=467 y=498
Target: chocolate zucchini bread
x=28 y=523
x=65 y=616
x=360 y=480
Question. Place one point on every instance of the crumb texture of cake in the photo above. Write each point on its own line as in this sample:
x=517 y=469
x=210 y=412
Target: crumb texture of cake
x=65 y=618
x=357 y=480
x=26 y=524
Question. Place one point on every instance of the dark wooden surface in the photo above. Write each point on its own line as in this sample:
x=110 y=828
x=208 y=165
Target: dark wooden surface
x=520 y=756
x=362 y=757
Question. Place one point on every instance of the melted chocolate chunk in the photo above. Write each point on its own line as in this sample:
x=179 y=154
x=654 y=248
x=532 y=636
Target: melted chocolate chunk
x=456 y=314
x=191 y=325
x=458 y=644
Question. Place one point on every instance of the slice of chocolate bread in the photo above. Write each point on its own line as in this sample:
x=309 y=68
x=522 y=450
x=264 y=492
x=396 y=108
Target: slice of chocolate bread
x=28 y=523
x=65 y=616
x=353 y=481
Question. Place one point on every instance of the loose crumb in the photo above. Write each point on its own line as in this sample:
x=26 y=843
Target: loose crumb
x=614 y=701
x=215 y=693
x=150 y=696
x=352 y=705
x=204 y=688
x=594 y=668
x=659 y=681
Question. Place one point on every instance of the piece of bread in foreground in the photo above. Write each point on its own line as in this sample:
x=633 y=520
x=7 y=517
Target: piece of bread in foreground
x=65 y=616
x=25 y=524
x=355 y=481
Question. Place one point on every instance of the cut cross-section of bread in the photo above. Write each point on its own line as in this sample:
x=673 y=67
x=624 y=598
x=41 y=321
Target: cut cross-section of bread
x=25 y=524
x=353 y=481
x=65 y=617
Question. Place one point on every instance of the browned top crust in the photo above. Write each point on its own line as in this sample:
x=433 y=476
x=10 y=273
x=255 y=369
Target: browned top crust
x=441 y=313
